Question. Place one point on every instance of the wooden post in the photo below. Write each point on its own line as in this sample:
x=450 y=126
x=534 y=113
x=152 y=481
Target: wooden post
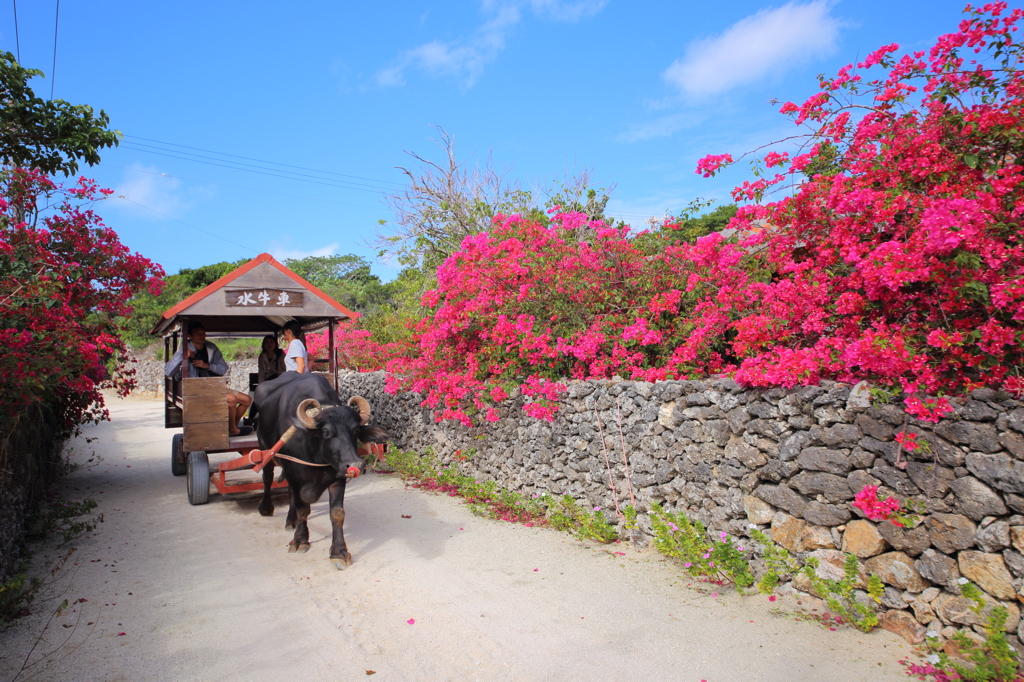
x=333 y=358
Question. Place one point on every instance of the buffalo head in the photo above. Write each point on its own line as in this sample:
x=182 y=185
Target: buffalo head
x=336 y=430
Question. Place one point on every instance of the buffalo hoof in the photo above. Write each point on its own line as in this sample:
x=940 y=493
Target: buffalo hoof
x=296 y=546
x=342 y=562
x=265 y=510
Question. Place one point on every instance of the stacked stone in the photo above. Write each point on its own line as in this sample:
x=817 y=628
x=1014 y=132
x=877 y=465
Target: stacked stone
x=149 y=376
x=788 y=461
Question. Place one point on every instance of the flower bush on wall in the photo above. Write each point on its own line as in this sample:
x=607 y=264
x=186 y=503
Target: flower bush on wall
x=896 y=257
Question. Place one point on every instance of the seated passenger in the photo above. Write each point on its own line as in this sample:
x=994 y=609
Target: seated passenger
x=205 y=360
x=270 y=363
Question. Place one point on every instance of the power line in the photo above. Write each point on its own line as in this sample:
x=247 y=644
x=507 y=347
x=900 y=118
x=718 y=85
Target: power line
x=248 y=189
x=274 y=163
x=139 y=146
x=17 y=36
x=53 y=71
x=248 y=170
x=212 y=234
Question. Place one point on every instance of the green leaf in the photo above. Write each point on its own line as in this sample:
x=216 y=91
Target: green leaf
x=971 y=160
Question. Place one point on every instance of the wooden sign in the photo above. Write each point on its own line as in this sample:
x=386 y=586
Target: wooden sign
x=263 y=298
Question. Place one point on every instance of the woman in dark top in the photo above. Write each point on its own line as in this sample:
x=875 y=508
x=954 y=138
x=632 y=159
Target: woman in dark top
x=270 y=364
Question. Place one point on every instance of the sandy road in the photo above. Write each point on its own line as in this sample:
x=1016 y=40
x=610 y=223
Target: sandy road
x=210 y=593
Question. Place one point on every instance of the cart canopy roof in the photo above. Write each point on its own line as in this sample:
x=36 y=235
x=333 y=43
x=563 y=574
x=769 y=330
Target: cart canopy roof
x=256 y=299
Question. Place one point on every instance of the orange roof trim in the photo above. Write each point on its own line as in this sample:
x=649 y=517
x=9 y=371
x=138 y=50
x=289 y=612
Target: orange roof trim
x=235 y=274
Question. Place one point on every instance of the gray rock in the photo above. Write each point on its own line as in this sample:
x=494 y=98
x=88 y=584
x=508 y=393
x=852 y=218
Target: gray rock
x=770 y=428
x=858 y=479
x=932 y=479
x=893 y=598
x=982 y=437
x=777 y=470
x=801 y=421
x=995 y=537
x=1015 y=502
x=977 y=411
x=834 y=488
x=826 y=514
x=912 y=541
x=890 y=414
x=999 y=471
x=1015 y=420
x=841 y=435
x=834 y=396
x=782 y=497
x=824 y=459
x=718 y=429
x=939 y=569
x=1013 y=442
x=975 y=499
x=737 y=418
x=874 y=428
x=983 y=394
x=950 y=532
x=887 y=450
x=763 y=410
x=861 y=459
x=747 y=455
x=791 y=447
x=696 y=399
x=948 y=454
x=1014 y=561
x=894 y=478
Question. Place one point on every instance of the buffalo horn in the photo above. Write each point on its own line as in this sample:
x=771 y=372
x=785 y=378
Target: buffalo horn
x=307 y=412
x=362 y=406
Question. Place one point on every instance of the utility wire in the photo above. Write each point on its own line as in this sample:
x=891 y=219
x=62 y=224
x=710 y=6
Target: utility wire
x=273 y=163
x=139 y=146
x=17 y=37
x=248 y=189
x=53 y=71
x=212 y=234
x=275 y=175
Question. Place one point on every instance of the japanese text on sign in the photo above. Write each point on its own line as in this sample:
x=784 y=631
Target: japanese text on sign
x=263 y=298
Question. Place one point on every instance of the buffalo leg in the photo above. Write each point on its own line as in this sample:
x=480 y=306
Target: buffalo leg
x=297 y=514
x=340 y=556
x=266 y=507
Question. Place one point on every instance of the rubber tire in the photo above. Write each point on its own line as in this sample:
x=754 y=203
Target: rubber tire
x=179 y=467
x=198 y=478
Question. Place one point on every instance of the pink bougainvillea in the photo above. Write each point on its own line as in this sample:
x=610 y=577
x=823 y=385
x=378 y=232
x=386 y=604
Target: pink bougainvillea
x=891 y=252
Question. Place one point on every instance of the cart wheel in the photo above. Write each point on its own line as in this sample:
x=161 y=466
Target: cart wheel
x=198 y=479
x=178 y=464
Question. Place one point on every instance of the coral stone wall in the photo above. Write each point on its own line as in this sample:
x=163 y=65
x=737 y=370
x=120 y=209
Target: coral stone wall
x=789 y=461
x=149 y=376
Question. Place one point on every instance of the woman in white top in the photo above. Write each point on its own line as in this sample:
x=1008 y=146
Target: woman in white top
x=295 y=358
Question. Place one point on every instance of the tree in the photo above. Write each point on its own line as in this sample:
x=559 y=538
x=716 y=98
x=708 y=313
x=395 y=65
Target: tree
x=347 y=279
x=51 y=135
x=445 y=203
x=147 y=306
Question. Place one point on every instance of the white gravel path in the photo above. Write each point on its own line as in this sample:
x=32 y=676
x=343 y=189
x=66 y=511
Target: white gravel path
x=210 y=593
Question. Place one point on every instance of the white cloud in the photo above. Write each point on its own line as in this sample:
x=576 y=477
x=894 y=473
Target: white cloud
x=465 y=59
x=661 y=127
x=756 y=46
x=281 y=253
x=147 y=191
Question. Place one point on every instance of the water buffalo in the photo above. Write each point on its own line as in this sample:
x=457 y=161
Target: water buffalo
x=328 y=439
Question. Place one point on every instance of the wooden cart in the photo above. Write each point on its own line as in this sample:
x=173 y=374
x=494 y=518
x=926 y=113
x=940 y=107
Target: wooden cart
x=256 y=299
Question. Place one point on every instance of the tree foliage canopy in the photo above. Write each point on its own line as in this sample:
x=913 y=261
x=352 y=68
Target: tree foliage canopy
x=51 y=135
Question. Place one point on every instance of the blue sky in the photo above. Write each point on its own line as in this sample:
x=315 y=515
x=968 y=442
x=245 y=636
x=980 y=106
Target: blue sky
x=635 y=91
